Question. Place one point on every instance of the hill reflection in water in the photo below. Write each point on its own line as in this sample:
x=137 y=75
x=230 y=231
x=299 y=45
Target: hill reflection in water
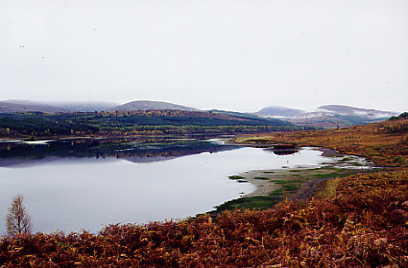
x=137 y=150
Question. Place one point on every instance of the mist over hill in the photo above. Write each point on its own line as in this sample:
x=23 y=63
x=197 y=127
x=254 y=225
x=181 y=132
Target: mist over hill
x=144 y=105
x=87 y=106
x=91 y=106
x=327 y=116
x=279 y=111
x=10 y=106
x=16 y=106
x=355 y=111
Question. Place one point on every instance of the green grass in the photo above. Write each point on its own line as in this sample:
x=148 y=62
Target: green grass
x=235 y=177
x=287 y=186
x=331 y=175
x=278 y=193
x=296 y=170
x=356 y=164
x=261 y=178
x=256 y=202
x=282 y=182
x=290 y=187
x=347 y=158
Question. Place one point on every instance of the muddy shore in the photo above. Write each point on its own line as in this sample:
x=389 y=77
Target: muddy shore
x=301 y=183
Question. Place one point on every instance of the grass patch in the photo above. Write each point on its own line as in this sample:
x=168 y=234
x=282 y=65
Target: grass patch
x=261 y=178
x=277 y=193
x=287 y=187
x=235 y=177
x=356 y=164
x=331 y=175
x=256 y=202
x=346 y=159
x=290 y=187
x=282 y=182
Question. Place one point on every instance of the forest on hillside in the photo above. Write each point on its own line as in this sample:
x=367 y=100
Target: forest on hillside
x=132 y=123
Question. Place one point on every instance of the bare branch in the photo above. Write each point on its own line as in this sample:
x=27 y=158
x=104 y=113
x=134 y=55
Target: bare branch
x=18 y=221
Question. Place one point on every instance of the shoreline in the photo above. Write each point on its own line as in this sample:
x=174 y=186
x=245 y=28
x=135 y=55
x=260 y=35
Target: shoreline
x=301 y=183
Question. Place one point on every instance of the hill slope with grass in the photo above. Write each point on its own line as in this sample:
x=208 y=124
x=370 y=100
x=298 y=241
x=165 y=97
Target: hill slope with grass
x=144 y=105
x=133 y=123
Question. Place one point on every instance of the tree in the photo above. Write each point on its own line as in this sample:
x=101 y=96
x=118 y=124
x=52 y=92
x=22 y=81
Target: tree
x=18 y=221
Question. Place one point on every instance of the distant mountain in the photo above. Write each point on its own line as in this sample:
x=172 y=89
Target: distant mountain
x=328 y=120
x=250 y=117
x=237 y=114
x=13 y=106
x=87 y=106
x=354 y=111
x=145 y=105
x=10 y=106
x=327 y=116
x=278 y=111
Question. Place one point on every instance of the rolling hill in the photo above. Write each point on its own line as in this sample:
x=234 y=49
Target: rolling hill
x=10 y=106
x=14 y=106
x=327 y=116
x=86 y=106
x=279 y=111
x=123 y=123
x=144 y=105
x=354 y=111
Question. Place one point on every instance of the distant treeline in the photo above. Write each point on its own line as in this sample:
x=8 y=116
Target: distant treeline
x=133 y=123
x=401 y=116
x=397 y=125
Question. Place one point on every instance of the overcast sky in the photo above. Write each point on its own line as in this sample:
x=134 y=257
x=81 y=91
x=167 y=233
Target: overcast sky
x=231 y=54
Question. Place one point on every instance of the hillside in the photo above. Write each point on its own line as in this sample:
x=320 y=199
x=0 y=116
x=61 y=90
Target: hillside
x=16 y=106
x=86 y=106
x=144 y=105
x=355 y=111
x=356 y=221
x=327 y=116
x=329 y=120
x=278 y=111
x=12 y=106
x=128 y=123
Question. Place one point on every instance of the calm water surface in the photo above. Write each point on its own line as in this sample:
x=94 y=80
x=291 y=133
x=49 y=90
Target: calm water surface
x=86 y=193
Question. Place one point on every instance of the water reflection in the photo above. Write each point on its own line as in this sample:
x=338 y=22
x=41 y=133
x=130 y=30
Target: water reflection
x=283 y=151
x=134 y=150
